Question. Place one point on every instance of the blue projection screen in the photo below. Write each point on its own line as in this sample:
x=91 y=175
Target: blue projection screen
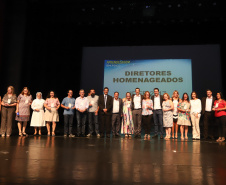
x=198 y=65
x=166 y=74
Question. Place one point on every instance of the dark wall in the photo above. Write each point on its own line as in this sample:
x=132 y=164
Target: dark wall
x=43 y=41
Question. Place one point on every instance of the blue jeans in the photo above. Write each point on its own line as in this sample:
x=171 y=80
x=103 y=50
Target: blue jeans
x=158 y=121
x=81 y=122
x=68 y=123
x=93 y=118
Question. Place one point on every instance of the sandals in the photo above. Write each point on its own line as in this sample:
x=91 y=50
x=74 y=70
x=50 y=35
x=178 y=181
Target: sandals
x=20 y=134
x=219 y=139
x=25 y=134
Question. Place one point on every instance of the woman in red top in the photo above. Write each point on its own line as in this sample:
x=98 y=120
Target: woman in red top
x=220 y=116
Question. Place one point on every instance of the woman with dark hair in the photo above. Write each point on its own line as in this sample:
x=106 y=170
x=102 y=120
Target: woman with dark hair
x=220 y=115
x=52 y=105
x=196 y=108
x=184 y=116
x=8 y=103
x=24 y=101
x=147 y=107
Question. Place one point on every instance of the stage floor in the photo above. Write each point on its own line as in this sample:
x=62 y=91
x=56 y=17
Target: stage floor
x=88 y=161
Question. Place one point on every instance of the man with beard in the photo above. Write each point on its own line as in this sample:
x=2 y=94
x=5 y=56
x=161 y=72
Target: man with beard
x=93 y=113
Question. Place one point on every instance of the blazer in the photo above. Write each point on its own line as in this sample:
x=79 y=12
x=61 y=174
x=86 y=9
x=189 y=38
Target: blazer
x=132 y=102
x=120 y=105
x=203 y=101
x=161 y=100
x=109 y=104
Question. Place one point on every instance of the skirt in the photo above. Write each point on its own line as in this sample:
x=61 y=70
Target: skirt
x=37 y=119
x=51 y=115
x=22 y=118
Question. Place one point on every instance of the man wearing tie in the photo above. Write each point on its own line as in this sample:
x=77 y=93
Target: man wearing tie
x=105 y=112
x=208 y=115
x=116 y=114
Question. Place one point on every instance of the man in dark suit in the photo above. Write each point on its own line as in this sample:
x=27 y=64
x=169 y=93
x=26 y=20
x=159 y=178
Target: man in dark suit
x=116 y=114
x=105 y=113
x=157 y=113
x=208 y=115
x=136 y=107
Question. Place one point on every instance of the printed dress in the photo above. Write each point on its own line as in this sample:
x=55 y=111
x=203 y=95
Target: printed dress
x=52 y=115
x=167 y=115
x=24 y=108
x=127 y=126
x=184 y=117
x=37 y=119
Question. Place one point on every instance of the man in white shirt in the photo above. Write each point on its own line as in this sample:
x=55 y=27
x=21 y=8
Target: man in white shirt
x=208 y=115
x=81 y=105
x=136 y=107
x=157 y=113
x=116 y=114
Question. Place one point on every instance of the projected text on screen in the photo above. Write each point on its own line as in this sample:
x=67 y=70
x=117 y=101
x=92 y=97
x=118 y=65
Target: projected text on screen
x=166 y=74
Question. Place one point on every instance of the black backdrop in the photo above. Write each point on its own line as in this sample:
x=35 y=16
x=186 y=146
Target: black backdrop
x=43 y=40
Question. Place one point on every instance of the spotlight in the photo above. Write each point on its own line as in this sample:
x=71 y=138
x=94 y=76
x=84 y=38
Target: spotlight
x=112 y=8
x=83 y=9
x=214 y=3
x=119 y=8
x=169 y=6
x=93 y=9
x=178 y=5
x=200 y=4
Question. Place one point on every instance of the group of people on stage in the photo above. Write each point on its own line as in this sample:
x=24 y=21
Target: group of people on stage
x=107 y=114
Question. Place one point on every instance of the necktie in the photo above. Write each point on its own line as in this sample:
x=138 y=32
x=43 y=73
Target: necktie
x=105 y=100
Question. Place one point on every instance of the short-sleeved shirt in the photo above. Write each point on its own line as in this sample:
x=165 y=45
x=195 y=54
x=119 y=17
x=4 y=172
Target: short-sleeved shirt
x=94 y=102
x=220 y=104
x=68 y=102
x=52 y=102
x=9 y=100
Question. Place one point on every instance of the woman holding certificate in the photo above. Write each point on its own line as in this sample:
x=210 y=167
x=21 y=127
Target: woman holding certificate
x=52 y=105
x=184 y=116
x=220 y=116
x=8 y=103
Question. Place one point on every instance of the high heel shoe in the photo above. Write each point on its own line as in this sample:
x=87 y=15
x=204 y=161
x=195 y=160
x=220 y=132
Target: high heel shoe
x=53 y=133
x=20 y=134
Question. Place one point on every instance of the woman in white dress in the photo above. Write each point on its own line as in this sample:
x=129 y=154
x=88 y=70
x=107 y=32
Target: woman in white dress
x=37 y=120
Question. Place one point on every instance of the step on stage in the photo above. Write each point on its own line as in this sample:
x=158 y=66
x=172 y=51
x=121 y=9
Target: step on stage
x=44 y=160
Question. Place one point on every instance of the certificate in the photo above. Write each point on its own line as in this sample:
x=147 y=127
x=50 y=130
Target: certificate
x=26 y=101
x=9 y=101
x=69 y=105
x=52 y=105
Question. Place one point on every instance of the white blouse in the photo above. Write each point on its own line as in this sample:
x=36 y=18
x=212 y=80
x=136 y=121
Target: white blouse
x=196 y=106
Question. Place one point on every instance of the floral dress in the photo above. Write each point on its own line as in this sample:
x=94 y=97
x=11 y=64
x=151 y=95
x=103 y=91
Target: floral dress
x=127 y=126
x=184 y=117
x=167 y=115
x=24 y=108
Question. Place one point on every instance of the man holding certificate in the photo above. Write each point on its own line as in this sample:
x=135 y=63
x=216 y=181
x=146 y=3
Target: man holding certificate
x=68 y=104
